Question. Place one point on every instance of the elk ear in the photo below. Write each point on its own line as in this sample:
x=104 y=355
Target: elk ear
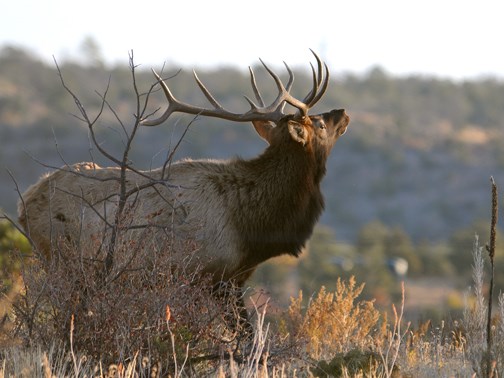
x=298 y=132
x=264 y=128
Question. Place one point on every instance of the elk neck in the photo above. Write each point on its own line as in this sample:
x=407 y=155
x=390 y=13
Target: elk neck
x=278 y=203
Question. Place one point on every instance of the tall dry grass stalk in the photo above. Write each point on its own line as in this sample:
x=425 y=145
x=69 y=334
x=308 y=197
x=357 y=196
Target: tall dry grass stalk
x=474 y=317
x=486 y=359
x=390 y=348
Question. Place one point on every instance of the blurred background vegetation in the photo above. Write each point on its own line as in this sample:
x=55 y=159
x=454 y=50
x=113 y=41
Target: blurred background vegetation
x=409 y=182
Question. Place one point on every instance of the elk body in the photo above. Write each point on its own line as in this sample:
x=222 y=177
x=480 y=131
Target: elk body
x=239 y=212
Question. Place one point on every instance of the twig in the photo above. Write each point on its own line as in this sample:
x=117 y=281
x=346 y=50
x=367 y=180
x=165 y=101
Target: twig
x=169 y=159
x=76 y=365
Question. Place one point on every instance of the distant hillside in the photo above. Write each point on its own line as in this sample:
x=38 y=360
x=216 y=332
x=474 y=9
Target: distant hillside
x=419 y=151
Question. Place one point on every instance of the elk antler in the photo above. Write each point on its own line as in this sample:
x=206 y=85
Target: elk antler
x=273 y=112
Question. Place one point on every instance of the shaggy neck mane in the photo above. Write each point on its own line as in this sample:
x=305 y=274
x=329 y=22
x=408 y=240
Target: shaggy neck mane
x=287 y=181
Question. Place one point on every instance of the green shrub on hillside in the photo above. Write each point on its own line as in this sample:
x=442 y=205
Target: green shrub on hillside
x=12 y=244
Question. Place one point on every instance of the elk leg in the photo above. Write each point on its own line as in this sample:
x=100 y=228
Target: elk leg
x=236 y=315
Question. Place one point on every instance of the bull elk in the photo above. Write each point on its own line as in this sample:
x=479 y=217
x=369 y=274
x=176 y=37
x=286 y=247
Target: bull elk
x=239 y=212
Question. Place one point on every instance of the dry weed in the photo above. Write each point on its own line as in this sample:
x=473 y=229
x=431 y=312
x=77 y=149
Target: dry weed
x=333 y=322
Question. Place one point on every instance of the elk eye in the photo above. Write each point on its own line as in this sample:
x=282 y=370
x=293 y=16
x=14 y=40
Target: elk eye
x=322 y=126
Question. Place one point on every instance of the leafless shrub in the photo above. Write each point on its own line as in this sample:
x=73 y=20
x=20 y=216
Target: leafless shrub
x=107 y=296
x=126 y=313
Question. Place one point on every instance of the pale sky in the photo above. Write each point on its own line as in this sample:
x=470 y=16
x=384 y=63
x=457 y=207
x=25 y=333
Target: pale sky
x=454 y=39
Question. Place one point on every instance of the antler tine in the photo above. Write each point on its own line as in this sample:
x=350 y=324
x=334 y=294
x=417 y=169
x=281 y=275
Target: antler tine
x=171 y=100
x=291 y=77
x=319 y=67
x=323 y=89
x=320 y=82
x=289 y=83
x=278 y=82
x=311 y=95
x=255 y=89
x=283 y=93
x=207 y=93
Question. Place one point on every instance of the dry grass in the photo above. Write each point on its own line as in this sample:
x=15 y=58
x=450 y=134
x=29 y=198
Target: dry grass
x=319 y=340
x=333 y=322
